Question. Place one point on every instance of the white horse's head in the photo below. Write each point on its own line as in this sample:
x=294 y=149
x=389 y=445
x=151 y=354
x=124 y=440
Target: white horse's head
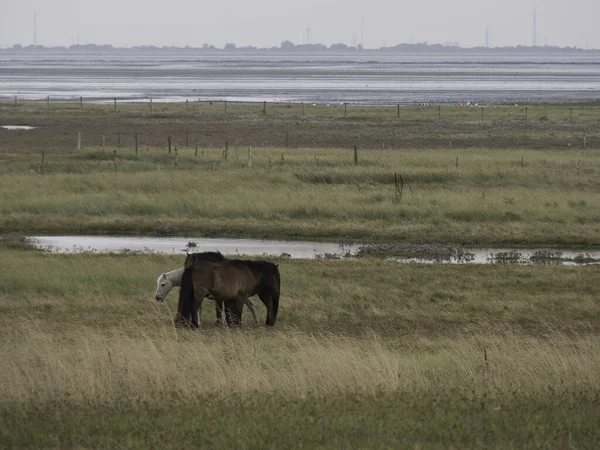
x=163 y=287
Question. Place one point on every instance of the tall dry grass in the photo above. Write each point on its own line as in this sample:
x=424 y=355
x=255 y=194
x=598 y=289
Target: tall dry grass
x=132 y=362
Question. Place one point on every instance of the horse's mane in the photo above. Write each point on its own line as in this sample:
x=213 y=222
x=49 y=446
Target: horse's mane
x=191 y=258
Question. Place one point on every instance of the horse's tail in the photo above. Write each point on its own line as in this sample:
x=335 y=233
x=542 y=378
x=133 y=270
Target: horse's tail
x=185 y=307
x=277 y=286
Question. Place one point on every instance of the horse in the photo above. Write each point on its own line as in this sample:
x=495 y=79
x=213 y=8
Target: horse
x=168 y=280
x=230 y=281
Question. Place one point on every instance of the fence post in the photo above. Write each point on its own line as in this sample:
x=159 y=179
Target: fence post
x=103 y=142
x=571 y=115
x=48 y=101
x=345 y=109
x=398 y=113
x=584 y=141
x=150 y=105
x=457 y=162
x=79 y=140
x=169 y=143
x=521 y=162
x=80 y=102
x=15 y=101
x=136 y=143
x=43 y=162
x=302 y=109
x=439 y=110
x=282 y=157
x=264 y=108
x=226 y=150
x=115 y=103
x=355 y=155
x=196 y=152
x=578 y=165
x=526 y=114
x=176 y=159
x=225 y=105
x=115 y=159
x=482 y=113
x=186 y=105
x=250 y=155
x=119 y=140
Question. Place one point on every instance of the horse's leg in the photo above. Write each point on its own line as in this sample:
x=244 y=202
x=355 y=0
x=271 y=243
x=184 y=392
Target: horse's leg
x=252 y=310
x=229 y=304
x=219 y=310
x=233 y=314
x=271 y=301
x=199 y=295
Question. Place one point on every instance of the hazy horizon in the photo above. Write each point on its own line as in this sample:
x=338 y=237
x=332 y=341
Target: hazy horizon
x=266 y=23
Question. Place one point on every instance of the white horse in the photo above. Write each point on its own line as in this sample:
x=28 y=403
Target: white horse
x=168 y=280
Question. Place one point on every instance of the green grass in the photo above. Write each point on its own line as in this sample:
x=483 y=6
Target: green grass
x=491 y=198
x=579 y=113
x=366 y=353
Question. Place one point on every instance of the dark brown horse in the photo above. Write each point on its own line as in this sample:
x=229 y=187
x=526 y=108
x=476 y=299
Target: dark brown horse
x=229 y=282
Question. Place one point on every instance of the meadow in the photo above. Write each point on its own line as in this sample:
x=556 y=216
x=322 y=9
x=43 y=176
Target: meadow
x=366 y=352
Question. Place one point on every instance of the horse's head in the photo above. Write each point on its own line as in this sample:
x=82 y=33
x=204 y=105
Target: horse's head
x=163 y=287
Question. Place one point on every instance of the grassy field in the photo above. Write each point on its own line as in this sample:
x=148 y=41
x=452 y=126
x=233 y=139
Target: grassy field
x=494 y=197
x=367 y=353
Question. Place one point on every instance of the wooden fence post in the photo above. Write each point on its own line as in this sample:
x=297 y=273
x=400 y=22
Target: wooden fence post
x=136 y=143
x=186 y=105
x=264 y=108
x=43 y=162
x=398 y=111
x=115 y=159
x=526 y=114
x=103 y=142
x=196 y=152
x=79 y=140
x=282 y=157
x=169 y=143
x=80 y=102
x=176 y=158
x=439 y=110
x=457 y=162
x=571 y=116
x=250 y=155
x=150 y=105
x=48 y=101
x=302 y=109
x=578 y=165
x=345 y=109
x=115 y=103
x=225 y=105
x=355 y=155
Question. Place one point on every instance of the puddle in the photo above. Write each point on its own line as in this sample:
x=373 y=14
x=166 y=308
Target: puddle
x=17 y=127
x=405 y=253
x=178 y=245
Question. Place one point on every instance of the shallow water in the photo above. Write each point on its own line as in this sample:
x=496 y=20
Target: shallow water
x=363 y=77
x=311 y=250
x=17 y=127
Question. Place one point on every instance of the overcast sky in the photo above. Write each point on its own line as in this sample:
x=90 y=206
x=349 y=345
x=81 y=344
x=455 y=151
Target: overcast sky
x=265 y=23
